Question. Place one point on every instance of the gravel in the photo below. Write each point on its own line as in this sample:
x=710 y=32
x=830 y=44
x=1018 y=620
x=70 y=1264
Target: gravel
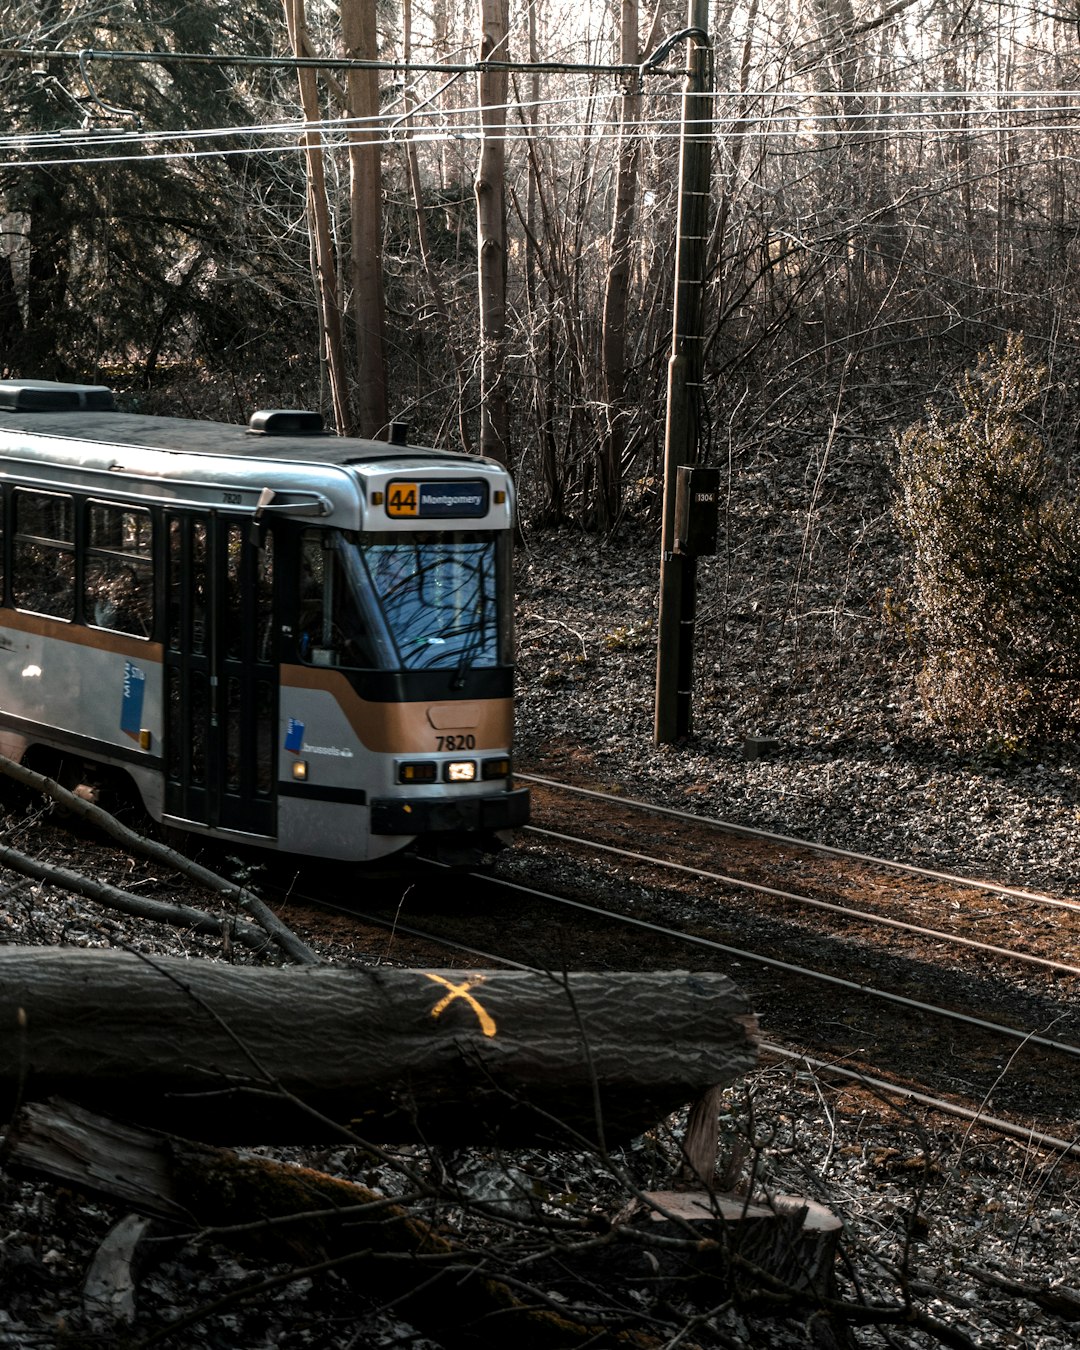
x=856 y=762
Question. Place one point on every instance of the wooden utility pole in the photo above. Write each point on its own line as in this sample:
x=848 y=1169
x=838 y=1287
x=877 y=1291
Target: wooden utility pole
x=674 y=656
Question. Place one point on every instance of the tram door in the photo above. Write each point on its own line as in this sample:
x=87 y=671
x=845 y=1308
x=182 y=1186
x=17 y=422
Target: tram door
x=221 y=673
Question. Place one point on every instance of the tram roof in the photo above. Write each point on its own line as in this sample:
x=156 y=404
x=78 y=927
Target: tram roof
x=185 y=460
x=184 y=435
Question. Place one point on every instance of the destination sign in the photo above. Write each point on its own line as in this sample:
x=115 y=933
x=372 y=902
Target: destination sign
x=417 y=500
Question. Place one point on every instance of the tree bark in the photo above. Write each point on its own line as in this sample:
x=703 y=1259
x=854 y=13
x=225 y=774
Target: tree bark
x=322 y=246
x=365 y=211
x=240 y=1054
x=491 y=234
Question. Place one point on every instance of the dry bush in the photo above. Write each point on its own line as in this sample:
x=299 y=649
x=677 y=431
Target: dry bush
x=996 y=561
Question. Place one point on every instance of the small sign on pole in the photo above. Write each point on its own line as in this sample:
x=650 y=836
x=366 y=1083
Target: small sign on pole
x=697 y=510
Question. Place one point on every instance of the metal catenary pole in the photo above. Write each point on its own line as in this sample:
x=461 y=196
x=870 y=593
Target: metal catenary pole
x=674 y=655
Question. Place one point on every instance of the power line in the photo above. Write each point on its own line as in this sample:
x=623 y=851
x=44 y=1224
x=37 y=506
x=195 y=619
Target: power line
x=455 y=117
x=571 y=134
x=648 y=67
x=435 y=125
x=957 y=111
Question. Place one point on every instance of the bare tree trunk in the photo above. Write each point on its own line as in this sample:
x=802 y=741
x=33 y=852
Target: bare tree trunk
x=543 y=343
x=365 y=210
x=613 y=339
x=491 y=234
x=431 y=273
x=322 y=246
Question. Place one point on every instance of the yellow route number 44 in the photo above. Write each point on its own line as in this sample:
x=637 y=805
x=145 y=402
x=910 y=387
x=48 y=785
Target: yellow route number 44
x=403 y=500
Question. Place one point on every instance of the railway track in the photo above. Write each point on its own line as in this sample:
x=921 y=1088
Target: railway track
x=840 y=970
x=997 y=961
x=838 y=974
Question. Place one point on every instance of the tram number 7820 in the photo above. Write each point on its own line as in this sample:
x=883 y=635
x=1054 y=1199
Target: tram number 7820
x=463 y=742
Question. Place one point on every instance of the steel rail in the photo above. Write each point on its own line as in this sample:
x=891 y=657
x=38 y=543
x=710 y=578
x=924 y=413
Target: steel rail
x=802 y=972
x=760 y=888
x=1067 y=1147
x=710 y=944
x=793 y=841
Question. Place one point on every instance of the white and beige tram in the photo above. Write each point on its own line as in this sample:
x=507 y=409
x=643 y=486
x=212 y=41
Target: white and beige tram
x=300 y=641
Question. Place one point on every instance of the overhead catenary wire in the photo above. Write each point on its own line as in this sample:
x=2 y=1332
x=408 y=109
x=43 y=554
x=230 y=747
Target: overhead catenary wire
x=967 y=98
x=956 y=111
x=765 y=123
x=85 y=54
x=649 y=66
x=595 y=133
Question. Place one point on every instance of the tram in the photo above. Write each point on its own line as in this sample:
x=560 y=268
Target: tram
x=284 y=638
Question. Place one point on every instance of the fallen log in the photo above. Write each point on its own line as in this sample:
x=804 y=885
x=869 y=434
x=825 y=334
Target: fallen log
x=276 y=1212
x=238 y=1054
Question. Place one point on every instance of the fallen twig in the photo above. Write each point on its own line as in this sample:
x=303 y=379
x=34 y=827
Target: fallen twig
x=96 y=815
x=179 y=916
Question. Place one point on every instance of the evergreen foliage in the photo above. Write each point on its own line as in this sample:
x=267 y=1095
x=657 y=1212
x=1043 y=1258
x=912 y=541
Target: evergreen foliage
x=135 y=264
x=996 y=555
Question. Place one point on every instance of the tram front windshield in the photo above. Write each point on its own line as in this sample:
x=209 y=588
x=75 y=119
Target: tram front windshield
x=406 y=601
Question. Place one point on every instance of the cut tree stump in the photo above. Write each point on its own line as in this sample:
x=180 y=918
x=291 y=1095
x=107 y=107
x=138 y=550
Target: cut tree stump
x=784 y=1247
x=239 y=1054
x=795 y=1240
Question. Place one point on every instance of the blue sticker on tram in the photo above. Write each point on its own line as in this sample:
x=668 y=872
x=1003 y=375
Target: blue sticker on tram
x=131 y=705
x=294 y=737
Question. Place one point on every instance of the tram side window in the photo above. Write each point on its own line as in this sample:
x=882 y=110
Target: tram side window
x=332 y=630
x=43 y=564
x=118 y=580
x=316 y=601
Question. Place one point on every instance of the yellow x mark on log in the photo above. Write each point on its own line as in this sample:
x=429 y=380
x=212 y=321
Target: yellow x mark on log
x=487 y=1022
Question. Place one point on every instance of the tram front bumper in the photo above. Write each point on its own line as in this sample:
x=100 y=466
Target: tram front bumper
x=424 y=815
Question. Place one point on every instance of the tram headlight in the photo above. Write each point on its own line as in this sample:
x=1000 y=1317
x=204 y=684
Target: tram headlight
x=460 y=771
x=495 y=768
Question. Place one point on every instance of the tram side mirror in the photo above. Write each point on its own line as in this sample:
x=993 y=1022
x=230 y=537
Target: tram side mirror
x=256 y=537
x=697 y=510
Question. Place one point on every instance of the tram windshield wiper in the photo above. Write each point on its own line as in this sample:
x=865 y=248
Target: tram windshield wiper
x=476 y=636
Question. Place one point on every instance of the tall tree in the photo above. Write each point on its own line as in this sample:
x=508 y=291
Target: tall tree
x=358 y=32
x=431 y=272
x=613 y=340
x=321 y=240
x=133 y=259
x=491 y=232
